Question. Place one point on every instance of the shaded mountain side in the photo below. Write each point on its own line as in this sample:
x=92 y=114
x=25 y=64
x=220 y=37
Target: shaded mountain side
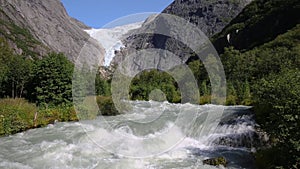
x=260 y=22
x=49 y=23
x=210 y=16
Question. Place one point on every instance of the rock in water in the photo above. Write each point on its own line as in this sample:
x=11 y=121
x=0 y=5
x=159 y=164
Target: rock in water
x=216 y=161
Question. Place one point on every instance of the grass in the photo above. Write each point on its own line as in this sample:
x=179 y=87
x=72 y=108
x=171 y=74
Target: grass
x=17 y=115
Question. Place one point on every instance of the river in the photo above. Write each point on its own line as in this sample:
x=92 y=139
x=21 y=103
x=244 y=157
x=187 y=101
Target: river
x=149 y=137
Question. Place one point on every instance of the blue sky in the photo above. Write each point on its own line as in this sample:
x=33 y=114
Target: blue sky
x=97 y=13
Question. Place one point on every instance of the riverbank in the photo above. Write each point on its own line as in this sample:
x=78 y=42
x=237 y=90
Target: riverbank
x=18 y=115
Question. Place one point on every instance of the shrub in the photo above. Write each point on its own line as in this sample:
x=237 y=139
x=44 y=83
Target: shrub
x=106 y=106
x=50 y=115
x=16 y=115
x=277 y=109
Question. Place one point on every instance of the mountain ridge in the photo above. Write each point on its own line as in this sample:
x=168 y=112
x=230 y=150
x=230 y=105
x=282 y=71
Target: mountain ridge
x=49 y=23
x=209 y=16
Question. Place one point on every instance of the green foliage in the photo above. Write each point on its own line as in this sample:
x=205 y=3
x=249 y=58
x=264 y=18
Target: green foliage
x=243 y=70
x=102 y=86
x=80 y=83
x=5 y=54
x=50 y=115
x=15 y=72
x=52 y=80
x=16 y=115
x=260 y=21
x=201 y=77
x=232 y=96
x=143 y=84
x=198 y=70
x=106 y=106
x=268 y=75
x=277 y=109
x=18 y=76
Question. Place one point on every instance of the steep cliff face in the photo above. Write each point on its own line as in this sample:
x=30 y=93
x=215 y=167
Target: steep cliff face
x=50 y=24
x=260 y=22
x=20 y=39
x=210 y=16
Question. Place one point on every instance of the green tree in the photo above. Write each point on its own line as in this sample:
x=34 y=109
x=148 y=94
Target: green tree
x=199 y=71
x=14 y=72
x=277 y=108
x=18 y=75
x=102 y=86
x=147 y=81
x=5 y=55
x=52 y=80
x=247 y=97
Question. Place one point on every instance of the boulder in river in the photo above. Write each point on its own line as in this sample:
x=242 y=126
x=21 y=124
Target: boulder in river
x=216 y=161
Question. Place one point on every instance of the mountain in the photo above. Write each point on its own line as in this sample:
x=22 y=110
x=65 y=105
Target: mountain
x=260 y=22
x=50 y=25
x=20 y=39
x=210 y=16
x=111 y=39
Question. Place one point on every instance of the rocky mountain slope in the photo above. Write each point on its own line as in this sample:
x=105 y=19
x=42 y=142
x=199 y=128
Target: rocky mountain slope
x=210 y=16
x=260 y=22
x=49 y=23
x=20 y=39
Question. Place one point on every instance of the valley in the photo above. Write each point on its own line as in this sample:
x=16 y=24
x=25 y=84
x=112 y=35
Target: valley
x=203 y=84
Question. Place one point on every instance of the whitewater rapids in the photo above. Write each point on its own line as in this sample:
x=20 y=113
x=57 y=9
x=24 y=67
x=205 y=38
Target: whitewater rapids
x=86 y=144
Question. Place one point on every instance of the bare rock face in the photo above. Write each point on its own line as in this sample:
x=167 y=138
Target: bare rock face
x=48 y=21
x=210 y=16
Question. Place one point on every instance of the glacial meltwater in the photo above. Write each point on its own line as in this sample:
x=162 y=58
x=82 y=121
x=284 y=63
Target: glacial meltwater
x=146 y=138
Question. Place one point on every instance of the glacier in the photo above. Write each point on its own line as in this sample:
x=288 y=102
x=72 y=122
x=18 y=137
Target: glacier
x=111 y=38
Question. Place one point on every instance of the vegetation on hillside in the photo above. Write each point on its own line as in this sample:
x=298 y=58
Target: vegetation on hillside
x=277 y=109
x=261 y=62
x=52 y=80
x=20 y=38
x=263 y=71
x=146 y=82
x=17 y=115
x=272 y=70
x=264 y=52
x=46 y=84
x=260 y=22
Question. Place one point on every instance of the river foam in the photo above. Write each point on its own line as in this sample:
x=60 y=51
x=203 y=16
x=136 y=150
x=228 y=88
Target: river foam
x=92 y=144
